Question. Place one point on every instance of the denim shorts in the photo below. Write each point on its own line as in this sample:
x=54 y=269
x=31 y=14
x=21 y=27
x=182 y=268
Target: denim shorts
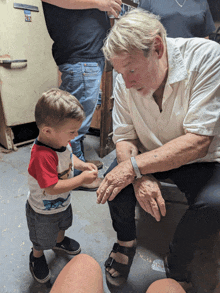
x=43 y=229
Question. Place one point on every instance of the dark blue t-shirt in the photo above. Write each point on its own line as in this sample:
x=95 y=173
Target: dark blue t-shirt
x=193 y=19
x=77 y=34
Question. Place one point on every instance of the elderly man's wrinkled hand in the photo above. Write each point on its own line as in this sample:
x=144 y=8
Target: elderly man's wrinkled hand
x=148 y=193
x=121 y=176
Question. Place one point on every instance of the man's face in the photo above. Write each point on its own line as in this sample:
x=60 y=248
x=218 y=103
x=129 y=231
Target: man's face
x=139 y=72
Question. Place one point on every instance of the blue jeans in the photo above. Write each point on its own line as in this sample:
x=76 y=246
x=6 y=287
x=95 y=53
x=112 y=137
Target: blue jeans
x=82 y=79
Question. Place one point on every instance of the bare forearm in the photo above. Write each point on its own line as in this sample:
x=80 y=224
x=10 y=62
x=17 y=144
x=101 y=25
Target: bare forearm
x=78 y=164
x=65 y=185
x=174 y=154
x=74 y=4
x=126 y=149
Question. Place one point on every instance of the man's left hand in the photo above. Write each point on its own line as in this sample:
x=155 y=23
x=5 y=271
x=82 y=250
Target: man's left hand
x=148 y=194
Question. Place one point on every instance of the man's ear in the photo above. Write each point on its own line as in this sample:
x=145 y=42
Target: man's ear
x=159 y=46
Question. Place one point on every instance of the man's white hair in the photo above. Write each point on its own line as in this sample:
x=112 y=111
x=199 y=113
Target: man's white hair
x=137 y=29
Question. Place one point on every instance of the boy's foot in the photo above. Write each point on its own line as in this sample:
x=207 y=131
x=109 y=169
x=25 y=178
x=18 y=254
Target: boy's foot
x=90 y=186
x=39 y=268
x=68 y=245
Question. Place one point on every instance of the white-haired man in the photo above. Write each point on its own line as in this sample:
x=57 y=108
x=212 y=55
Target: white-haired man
x=166 y=123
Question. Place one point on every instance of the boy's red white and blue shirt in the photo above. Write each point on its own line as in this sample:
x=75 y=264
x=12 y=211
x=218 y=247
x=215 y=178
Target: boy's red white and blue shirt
x=47 y=166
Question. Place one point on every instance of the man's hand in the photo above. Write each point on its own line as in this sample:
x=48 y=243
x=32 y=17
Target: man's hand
x=148 y=194
x=121 y=176
x=111 y=6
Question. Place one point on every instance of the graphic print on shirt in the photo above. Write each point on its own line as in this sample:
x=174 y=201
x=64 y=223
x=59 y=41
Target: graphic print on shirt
x=54 y=203
x=65 y=174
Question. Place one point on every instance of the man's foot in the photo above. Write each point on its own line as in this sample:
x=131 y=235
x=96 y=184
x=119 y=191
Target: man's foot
x=98 y=163
x=39 y=268
x=68 y=245
x=119 y=262
x=91 y=186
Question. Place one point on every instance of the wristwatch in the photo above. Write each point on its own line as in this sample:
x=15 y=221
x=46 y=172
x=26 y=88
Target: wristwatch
x=136 y=169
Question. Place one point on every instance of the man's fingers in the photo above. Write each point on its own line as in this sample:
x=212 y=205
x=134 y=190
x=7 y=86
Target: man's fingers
x=155 y=209
x=114 y=12
x=104 y=191
x=114 y=192
x=162 y=205
x=147 y=207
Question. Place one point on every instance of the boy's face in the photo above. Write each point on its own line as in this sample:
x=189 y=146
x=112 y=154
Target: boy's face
x=62 y=135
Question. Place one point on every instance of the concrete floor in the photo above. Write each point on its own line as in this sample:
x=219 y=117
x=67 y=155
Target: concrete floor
x=91 y=227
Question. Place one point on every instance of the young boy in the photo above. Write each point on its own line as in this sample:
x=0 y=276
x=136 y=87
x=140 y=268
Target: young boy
x=58 y=116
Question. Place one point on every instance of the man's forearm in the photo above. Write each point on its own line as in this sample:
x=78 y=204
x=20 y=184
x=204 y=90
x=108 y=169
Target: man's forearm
x=174 y=154
x=74 y=4
x=126 y=149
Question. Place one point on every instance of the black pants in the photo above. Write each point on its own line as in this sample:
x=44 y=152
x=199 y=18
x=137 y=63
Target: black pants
x=201 y=184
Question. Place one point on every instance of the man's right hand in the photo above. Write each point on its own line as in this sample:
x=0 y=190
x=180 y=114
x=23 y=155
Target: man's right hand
x=111 y=6
x=148 y=194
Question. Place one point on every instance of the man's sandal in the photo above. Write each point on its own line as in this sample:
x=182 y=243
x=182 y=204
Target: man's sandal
x=122 y=269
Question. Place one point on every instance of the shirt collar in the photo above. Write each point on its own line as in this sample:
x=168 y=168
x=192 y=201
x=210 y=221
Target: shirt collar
x=177 y=70
x=60 y=150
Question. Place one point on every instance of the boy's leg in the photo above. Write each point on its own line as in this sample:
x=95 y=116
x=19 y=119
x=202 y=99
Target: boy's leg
x=82 y=274
x=37 y=262
x=37 y=253
x=60 y=236
x=64 y=243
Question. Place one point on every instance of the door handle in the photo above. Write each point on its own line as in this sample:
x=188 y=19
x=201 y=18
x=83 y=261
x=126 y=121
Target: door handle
x=4 y=61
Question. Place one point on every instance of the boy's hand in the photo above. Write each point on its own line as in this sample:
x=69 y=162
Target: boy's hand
x=89 y=167
x=89 y=176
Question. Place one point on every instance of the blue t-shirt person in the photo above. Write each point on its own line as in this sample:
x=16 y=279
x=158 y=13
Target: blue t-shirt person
x=182 y=18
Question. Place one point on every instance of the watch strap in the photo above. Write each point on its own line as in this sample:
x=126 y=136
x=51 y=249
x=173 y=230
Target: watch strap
x=136 y=169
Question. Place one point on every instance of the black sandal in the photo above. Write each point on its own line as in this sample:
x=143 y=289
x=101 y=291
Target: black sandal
x=122 y=269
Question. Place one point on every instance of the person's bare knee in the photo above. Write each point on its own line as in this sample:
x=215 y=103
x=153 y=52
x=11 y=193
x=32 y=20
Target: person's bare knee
x=81 y=275
x=165 y=286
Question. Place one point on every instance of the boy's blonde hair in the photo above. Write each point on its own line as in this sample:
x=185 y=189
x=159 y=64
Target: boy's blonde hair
x=55 y=107
x=137 y=29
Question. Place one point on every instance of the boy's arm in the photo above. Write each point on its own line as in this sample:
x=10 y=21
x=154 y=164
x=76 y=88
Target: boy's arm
x=67 y=185
x=82 y=166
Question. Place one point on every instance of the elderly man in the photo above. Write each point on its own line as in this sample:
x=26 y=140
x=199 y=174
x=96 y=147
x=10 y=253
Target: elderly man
x=166 y=125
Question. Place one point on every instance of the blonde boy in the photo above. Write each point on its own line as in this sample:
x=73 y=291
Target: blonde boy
x=58 y=116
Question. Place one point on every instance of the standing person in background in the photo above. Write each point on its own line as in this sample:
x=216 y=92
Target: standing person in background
x=182 y=18
x=78 y=29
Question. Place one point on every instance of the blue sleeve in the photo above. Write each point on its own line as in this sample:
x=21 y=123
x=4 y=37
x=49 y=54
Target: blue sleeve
x=145 y=4
x=209 y=23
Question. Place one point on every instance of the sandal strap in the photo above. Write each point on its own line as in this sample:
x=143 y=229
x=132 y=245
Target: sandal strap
x=128 y=251
x=123 y=269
